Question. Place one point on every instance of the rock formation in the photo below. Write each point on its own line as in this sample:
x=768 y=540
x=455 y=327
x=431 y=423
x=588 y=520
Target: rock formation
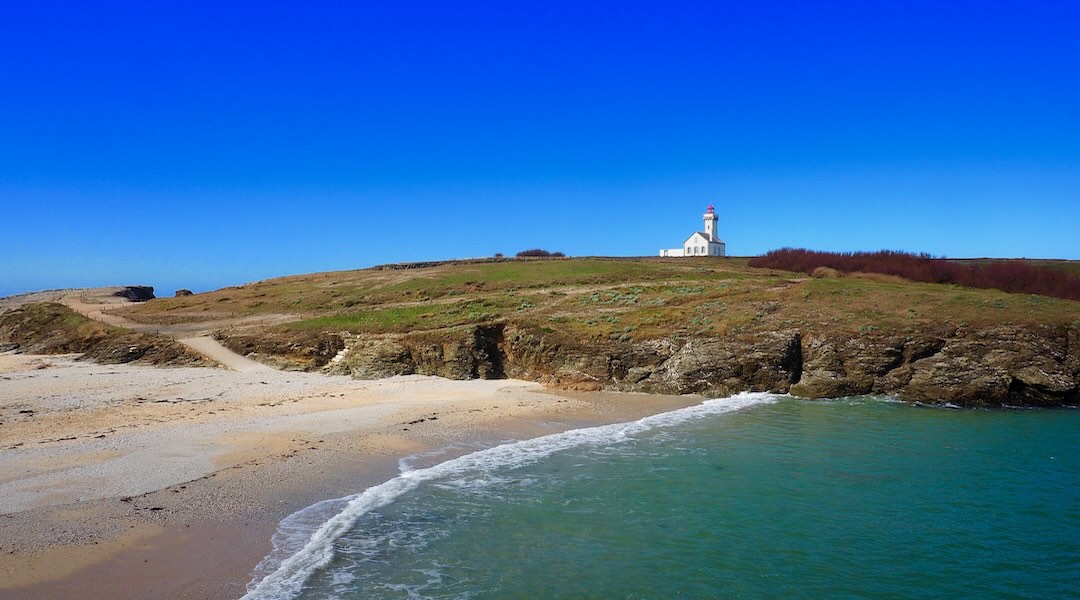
x=136 y=293
x=1004 y=366
x=992 y=367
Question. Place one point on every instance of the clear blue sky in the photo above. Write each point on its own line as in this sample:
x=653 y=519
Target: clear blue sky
x=198 y=145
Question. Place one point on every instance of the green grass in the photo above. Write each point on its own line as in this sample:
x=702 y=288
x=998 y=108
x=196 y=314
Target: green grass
x=514 y=275
x=602 y=299
x=401 y=319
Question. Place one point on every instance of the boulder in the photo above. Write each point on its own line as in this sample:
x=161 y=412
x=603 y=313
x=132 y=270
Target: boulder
x=136 y=293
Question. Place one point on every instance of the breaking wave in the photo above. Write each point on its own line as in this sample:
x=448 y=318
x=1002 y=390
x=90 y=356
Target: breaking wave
x=304 y=541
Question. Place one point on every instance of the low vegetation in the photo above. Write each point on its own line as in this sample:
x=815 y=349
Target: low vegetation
x=50 y=328
x=602 y=299
x=538 y=253
x=1015 y=276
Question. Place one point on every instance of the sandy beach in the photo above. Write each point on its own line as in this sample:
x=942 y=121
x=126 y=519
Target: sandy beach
x=122 y=481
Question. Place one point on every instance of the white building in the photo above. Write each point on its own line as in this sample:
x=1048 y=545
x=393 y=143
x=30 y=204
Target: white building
x=701 y=243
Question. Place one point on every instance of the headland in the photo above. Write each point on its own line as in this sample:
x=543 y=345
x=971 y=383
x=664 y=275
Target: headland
x=134 y=464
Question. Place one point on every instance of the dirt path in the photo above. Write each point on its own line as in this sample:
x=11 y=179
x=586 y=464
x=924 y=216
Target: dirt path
x=199 y=341
x=211 y=348
x=96 y=311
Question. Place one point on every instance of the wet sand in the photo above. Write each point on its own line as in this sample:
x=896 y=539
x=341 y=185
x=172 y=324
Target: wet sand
x=140 y=482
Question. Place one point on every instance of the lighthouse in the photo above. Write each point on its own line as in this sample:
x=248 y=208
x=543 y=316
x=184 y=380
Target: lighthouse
x=710 y=223
x=702 y=243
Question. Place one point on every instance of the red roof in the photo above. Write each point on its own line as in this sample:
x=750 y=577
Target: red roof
x=710 y=210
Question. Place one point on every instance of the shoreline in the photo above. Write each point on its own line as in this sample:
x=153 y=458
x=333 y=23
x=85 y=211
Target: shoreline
x=226 y=457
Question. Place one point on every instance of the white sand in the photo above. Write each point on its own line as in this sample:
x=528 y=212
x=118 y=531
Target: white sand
x=140 y=482
x=99 y=431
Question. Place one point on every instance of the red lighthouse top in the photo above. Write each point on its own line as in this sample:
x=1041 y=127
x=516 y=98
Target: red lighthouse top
x=710 y=210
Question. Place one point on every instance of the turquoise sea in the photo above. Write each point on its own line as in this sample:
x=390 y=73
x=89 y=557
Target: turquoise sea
x=754 y=496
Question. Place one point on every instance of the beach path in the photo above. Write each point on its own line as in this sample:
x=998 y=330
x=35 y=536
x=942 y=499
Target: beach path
x=199 y=341
x=211 y=348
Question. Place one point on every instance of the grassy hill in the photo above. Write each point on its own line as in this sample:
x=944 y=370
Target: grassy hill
x=607 y=298
x=51 y=328
x=706 y=325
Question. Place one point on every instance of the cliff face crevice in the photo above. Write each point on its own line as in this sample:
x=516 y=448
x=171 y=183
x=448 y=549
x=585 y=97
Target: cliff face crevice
x=988 y=368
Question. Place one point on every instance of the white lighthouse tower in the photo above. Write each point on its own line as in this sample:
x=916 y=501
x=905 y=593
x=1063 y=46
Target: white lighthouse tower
x=710 y=223
x=702 y=243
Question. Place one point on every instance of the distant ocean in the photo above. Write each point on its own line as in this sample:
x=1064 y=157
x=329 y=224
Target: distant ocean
x=753 y=496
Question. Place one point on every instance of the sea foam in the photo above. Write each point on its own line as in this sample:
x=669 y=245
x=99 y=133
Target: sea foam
x=304 y=542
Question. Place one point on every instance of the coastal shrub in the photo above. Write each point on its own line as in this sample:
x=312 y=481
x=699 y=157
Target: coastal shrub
x=537 y=252
x=825 y=273
x=1007 y=275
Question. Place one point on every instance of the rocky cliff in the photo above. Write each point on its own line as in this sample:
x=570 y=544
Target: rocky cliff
x=1003 y=366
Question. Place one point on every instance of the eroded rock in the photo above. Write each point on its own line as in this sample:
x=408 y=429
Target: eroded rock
x=136 y=293
x=992 y=367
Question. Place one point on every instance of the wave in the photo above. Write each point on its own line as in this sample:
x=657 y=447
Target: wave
x=304 y=542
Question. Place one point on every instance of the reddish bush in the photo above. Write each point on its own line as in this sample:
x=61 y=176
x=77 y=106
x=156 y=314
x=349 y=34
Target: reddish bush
x=540 y=253
x=1007 y=275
